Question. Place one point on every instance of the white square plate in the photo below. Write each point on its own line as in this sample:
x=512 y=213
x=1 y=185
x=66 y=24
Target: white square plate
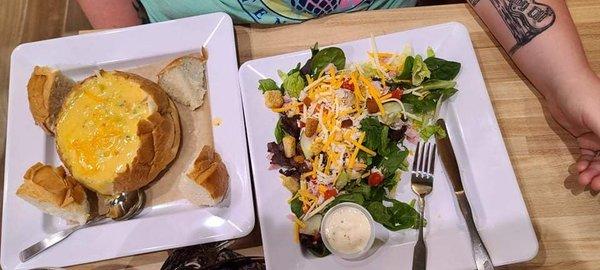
x=159 y=227
x=489 y=180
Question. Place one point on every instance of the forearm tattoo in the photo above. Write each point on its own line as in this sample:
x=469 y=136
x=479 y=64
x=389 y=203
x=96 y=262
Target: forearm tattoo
x=525 y=19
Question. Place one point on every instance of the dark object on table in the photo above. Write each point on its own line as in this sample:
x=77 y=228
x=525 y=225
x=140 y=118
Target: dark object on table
x=438 y=2
x=211 y=256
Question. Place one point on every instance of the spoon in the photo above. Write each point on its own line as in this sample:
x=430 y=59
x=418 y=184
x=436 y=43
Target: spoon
x=122 y=206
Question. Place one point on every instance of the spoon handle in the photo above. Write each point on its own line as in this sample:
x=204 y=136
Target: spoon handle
x=53 y=239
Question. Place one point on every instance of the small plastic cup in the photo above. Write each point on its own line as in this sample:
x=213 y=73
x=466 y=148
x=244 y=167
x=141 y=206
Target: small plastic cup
x=349 y=256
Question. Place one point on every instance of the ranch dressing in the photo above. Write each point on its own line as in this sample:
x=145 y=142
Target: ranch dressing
x=347 y=229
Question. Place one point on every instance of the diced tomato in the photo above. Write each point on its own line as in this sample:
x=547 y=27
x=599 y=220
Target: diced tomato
x=375 y=179
x=347 y=84
x=330 y=193
x=397 y=94
x=301 y=124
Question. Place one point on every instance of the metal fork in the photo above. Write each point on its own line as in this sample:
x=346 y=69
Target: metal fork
x=422 y=184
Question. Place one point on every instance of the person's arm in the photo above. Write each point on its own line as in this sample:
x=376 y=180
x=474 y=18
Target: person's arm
x=110 y=13
x=541 y=38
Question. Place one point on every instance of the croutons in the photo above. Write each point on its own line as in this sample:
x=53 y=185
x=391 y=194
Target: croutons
x=289 y=146
x=290 y=183
x=346 y=123
x=372 y=106
x=307 y=101
x=311 y=127
x=273 y=99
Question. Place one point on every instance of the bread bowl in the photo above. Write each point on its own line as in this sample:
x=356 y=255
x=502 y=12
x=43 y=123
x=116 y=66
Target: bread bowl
x=116 y=131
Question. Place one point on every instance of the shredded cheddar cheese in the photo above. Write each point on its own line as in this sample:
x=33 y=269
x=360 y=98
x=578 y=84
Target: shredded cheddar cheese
x=374 y=93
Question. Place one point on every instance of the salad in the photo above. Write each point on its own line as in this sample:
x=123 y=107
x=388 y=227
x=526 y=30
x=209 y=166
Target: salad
x=343 y=128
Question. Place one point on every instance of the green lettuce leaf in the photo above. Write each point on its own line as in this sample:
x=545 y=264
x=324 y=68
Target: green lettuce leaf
x=293 y=84
x=420 y=72
x=279 y=133
x=267 y=85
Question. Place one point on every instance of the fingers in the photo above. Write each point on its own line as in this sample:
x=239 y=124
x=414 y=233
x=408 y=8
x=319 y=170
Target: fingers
x=595 y=185
x=591 y=172
x=589 y=144
x=584 y=160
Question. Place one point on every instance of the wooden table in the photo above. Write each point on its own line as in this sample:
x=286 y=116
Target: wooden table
x=566 y=218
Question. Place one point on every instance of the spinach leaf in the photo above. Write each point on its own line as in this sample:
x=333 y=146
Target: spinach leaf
x=366 y=158
x=392 y=159
x=357 y=198
x=267 y=85
x=373 y=129
x=293 y=84
x=390 y=182
x=377 y=194
x=438 y=84
x=296 y=207
x=349 y=197
x=384 y=137
x=448 y=92
x=406 y=73
x=279 y=133
x=314 y=50
x=420 y=106
x=396 y=217
x=442 y=69
x=389 y=156
x=363 y=189
x=333 y=55
x=293 y=70
x=420 y=72
x=437 y=88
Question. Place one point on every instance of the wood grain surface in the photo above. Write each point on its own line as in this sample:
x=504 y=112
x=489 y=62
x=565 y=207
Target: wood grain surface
x=566 y=218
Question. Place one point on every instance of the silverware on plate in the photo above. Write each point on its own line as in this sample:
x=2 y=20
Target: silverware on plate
x=123 y=206
x=481 y=255
x=422 y=183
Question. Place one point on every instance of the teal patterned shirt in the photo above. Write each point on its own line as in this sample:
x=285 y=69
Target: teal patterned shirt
x=263 y=11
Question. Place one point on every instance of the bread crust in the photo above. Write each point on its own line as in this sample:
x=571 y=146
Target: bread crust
x=160 y=137
x=179 y=61
x=44 y=184
x=209 y=172
x=43 y=84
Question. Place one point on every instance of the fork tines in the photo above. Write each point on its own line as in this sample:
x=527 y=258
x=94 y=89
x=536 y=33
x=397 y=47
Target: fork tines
x=424 y=162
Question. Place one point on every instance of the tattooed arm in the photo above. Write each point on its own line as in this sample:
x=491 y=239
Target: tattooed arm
x=541 y=38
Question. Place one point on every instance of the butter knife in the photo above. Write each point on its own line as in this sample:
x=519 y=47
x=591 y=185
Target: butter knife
x=480 y=253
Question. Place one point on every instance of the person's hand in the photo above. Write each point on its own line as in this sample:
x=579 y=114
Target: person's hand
x=578 y=111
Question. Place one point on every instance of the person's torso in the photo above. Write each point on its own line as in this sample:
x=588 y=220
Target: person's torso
x=264 y=11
